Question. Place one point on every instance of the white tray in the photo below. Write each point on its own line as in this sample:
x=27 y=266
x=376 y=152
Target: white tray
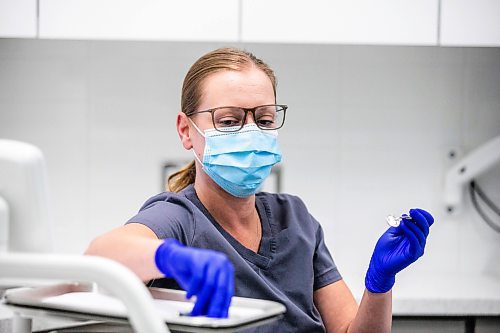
x=86 y=299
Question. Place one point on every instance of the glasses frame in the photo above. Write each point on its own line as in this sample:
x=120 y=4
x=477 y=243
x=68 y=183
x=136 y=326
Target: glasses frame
x=246 y=110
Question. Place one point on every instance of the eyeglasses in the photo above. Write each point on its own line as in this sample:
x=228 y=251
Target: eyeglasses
x=232 y=118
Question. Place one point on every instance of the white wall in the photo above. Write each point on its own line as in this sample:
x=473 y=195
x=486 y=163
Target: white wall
x=367 y=134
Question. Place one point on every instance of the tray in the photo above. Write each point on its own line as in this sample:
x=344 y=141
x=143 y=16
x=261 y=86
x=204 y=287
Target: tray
x=86 y=299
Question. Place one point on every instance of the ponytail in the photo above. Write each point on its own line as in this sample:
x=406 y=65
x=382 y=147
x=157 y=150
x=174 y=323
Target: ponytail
x=182 y=178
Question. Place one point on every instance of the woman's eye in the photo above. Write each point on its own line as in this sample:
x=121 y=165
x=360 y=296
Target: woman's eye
x=227 y=122
x=265 y=122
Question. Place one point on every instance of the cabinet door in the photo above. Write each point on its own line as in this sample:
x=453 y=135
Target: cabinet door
x=488 y=325
x=427 y=325
x=470 y=22
x=397 y=22
x=18 y=18
x=187 y=20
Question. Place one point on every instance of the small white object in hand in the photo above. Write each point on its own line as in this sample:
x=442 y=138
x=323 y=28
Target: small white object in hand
x=394 y=221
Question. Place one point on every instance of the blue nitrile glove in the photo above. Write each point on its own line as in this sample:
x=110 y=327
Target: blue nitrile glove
x=396 y=249
x=205 y=273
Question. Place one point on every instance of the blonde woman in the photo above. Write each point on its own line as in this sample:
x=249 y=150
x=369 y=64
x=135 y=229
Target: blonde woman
x=215 y=237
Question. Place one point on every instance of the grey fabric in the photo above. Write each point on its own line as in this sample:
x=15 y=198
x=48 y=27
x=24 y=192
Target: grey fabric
x=291 y=263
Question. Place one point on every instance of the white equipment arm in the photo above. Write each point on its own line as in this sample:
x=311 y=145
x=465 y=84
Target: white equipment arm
x=471 y=166
x=4 y=225
x=24 y=187
x=114 y=277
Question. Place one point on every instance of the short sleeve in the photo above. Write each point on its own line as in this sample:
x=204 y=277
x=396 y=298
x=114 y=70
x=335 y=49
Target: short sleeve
x=325 y=270
x=168 y=217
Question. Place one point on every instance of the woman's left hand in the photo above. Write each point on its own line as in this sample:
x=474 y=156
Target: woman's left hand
x=396 y=249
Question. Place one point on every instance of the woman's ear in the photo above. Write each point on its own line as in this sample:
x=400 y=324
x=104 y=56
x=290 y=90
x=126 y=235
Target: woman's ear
x=183 y=130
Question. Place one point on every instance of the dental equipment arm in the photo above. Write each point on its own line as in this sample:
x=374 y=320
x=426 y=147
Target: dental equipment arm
x=25 y=189
x=112 y=276
x=4 y=225
x=475 y=163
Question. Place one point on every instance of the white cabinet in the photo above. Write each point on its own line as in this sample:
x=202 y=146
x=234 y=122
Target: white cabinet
x=186 y=20
x=18 y=18
x=383 y=22
x=404 y=22
x=470 y=23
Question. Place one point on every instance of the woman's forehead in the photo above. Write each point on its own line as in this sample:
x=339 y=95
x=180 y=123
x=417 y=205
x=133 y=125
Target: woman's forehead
x=245 y=88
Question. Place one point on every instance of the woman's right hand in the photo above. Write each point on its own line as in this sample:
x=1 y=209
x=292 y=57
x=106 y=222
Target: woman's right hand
x=205 y=273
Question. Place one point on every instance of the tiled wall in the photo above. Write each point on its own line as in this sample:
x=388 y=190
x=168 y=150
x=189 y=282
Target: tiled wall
x=367 y=134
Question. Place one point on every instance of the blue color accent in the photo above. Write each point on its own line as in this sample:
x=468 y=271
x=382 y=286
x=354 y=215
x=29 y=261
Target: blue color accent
x=205 y=273
x=396 y=249
x=240 y=161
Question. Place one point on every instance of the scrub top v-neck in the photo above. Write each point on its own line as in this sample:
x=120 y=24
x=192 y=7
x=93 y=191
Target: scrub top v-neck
x=267 y=246
x=292 y=261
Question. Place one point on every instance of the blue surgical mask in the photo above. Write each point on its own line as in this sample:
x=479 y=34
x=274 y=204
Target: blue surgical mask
x=239 y=161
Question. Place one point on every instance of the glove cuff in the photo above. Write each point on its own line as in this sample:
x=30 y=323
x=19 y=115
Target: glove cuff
x=377 y=283
x=162 y=255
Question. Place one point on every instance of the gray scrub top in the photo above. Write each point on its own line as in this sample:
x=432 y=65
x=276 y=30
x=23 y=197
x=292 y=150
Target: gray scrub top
x=291 y=263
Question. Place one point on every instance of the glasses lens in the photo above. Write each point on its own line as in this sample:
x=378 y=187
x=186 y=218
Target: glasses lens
x=269 y=116
x=228 y=119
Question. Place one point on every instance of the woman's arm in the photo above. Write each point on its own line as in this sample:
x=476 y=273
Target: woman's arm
x=133 y=245
x=397 y=248
x=340 y=313
x=205 y=273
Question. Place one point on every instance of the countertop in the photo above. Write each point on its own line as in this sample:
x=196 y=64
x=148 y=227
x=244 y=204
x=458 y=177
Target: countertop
x=413 y=295
x=442 y=295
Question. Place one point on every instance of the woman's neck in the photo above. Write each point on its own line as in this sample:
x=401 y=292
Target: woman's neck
x=238 y=216
x=224 y=207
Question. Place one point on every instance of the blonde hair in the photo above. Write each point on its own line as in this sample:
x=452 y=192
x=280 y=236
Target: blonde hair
x=231 y=59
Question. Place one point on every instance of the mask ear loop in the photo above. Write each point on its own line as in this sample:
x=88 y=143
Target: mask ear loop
x=196 y=127
x=202 y=134
x=197 y=158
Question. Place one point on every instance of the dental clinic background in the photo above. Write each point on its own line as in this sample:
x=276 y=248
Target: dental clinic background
x=371 y=130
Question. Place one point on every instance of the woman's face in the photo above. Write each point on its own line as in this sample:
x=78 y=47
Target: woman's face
x=247 y=89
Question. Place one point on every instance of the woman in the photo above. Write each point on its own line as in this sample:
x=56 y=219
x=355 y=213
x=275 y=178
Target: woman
x=215 y=237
